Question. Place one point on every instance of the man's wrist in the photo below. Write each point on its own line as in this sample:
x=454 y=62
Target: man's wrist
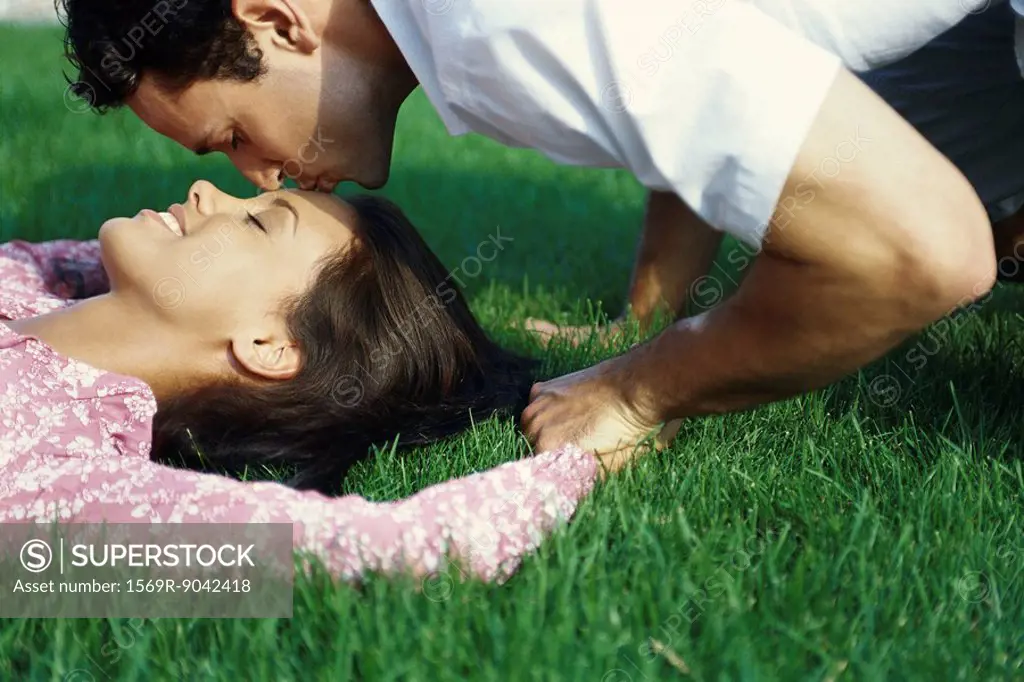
x=645 y=312
x=643 y=384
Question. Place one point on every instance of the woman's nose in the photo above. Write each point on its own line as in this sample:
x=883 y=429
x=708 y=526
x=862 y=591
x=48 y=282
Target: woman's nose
x=203 y=196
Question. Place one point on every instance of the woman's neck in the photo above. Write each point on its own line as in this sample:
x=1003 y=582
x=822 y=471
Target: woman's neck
x=105 y=332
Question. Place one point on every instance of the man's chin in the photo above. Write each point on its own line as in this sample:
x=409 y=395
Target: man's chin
x=373 y=169
x=374 y=180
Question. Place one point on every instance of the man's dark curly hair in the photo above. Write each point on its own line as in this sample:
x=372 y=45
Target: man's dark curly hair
x=113 y=43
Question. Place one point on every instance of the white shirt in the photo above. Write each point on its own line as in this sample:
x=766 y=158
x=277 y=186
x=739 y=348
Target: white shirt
x=711 y=99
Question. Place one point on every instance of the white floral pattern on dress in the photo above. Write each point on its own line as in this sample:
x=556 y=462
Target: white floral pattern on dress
x=75 y=444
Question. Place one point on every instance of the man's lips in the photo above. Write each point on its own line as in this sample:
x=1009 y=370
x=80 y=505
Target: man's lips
x=318 y=183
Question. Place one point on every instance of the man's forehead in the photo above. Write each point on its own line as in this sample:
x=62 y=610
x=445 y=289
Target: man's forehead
x=171 y=115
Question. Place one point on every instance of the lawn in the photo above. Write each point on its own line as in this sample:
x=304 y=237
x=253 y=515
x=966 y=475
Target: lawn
x=871 y=530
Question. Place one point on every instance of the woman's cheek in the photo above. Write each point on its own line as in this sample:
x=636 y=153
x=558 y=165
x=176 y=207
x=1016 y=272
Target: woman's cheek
x=200 y=261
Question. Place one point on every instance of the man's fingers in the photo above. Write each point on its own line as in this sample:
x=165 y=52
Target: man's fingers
x=616 y=461
x=527 y=421
x=546 y=442
x=542 y=330
x=536 y=390
x=531 y=421
x=540 y=326
x=574 y=335
x=550 y=433
x=668 y=433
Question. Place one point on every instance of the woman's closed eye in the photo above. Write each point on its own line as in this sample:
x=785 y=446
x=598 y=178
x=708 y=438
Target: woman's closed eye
x=255 y=222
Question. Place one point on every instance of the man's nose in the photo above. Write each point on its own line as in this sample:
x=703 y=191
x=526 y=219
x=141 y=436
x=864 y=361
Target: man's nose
x=268 y=178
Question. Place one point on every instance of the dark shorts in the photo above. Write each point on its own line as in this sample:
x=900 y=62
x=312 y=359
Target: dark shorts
x=964 y=93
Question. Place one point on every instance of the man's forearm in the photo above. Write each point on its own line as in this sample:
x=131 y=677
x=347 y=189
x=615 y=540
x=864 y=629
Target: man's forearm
x=790 y=329
x=676 y=249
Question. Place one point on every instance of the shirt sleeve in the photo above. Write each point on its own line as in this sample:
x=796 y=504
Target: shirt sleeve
x=722 y=120
x=711 y=99
x=64 y=268
x=854 y=32
x=488 y=520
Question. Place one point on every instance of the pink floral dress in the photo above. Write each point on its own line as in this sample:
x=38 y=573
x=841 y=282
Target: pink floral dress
x=75 y=445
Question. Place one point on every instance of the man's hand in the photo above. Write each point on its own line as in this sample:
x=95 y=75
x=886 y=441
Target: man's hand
x=676 y=249
x=574 y=335
x=590 y=409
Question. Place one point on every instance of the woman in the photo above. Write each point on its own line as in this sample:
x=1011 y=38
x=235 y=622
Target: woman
x=292 y=329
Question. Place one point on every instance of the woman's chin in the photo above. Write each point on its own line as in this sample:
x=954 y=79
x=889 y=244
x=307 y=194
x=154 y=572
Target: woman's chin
x=118 y=254
x=110 y=228
x=112 y=224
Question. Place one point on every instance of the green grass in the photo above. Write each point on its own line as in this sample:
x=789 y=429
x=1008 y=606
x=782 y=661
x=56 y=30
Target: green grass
x=873 y=530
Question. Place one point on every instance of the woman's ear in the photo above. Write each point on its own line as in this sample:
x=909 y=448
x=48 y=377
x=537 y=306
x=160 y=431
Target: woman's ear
x=285 y=22
x=277 y=358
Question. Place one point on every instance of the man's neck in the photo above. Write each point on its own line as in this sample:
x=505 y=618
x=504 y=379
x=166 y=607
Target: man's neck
x=387 y=53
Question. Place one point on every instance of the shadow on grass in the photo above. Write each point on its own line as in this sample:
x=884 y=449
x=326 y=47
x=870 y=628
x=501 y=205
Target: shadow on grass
x=969 y=390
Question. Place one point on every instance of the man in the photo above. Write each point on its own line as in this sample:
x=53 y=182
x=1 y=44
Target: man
x=740 y=113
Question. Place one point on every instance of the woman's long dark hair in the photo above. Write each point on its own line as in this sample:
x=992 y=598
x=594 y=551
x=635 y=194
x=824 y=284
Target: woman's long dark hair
x=390 y=349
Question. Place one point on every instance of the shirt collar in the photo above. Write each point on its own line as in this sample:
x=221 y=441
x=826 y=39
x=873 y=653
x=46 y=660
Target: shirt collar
x=405 y=20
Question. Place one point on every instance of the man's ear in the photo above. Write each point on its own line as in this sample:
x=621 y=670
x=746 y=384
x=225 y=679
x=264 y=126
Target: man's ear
x=284 y=21
x=276 y=357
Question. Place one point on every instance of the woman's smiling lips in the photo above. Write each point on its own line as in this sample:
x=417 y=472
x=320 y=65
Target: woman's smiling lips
x=178 y=211
x=168 y=220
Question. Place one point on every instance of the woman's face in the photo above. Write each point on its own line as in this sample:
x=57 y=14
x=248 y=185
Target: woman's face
x=220 y=268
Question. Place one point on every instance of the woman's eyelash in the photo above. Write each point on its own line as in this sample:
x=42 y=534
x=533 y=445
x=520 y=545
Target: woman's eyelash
x=235 y=140
x=255 y=221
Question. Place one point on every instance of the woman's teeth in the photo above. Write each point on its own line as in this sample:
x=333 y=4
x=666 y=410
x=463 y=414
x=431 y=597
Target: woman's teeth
x=172 y=223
